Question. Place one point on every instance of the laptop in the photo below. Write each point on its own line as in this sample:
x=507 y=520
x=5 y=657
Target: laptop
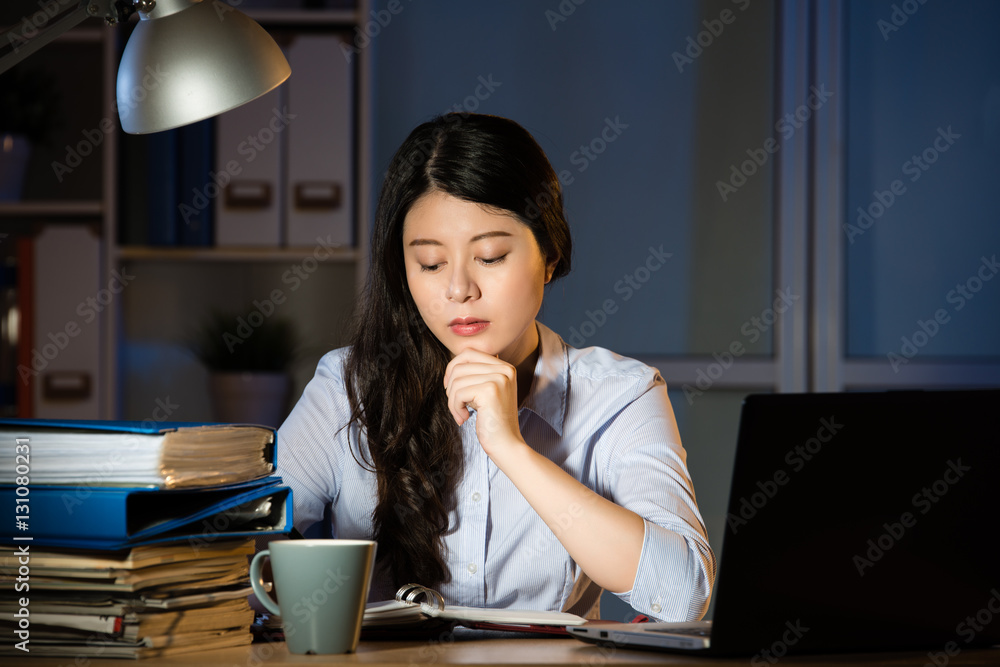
x=856 y=522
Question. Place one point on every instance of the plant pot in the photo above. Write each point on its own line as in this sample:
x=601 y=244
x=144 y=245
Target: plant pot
x=250 y=398
x=15 y=149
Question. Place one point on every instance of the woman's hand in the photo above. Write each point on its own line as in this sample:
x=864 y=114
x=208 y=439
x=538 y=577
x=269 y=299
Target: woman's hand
x=602 y=537
x=487 y=385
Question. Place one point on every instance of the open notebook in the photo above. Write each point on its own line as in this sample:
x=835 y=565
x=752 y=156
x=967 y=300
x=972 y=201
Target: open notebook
x=856 y=522
x=420 y=607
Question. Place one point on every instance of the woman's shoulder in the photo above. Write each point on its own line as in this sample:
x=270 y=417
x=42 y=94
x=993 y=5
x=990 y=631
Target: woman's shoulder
x=601 y=364
x=603 y=382
x=330 y=368
x=334 y=358
x=323 y=406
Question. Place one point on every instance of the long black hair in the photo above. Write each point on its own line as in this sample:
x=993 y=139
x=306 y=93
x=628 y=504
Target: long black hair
x=395 y=364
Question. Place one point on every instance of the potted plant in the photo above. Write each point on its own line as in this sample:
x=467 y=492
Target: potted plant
x=249 y=360
x=28 y=106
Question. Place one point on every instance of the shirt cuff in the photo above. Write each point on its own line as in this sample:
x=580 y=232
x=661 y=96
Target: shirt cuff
x=670 y=583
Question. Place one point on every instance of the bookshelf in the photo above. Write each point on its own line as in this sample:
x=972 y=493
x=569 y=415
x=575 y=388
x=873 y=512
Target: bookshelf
x=196 y=254
x=82 y=209
x=67 y=185
x=141 y=358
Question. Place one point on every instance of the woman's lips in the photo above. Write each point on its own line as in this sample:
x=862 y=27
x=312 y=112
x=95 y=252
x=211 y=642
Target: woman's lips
x=467 y=326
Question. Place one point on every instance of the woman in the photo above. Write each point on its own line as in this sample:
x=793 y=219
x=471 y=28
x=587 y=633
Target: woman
x=488 y=458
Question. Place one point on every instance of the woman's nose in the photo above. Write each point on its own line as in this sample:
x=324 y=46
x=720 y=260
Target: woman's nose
x=461 y=286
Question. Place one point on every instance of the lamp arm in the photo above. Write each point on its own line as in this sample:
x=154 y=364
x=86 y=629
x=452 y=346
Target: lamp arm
x=24 y=38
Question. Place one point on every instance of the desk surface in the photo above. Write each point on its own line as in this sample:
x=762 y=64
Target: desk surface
x=520 y=652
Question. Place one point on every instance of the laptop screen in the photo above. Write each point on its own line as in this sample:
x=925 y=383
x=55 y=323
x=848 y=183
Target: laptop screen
x=863 y=521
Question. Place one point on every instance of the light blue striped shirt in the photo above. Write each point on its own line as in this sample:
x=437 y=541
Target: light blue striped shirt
x=603 y=418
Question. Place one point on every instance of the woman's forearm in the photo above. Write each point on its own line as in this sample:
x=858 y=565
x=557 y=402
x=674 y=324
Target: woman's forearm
x=603 y=538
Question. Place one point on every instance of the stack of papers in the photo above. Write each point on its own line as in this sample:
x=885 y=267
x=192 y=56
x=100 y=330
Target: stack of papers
x=166 y=456
x=156 y=600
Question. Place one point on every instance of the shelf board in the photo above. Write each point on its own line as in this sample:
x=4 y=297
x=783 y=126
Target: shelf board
x=214 y=254
x=86 y=32
x=317 y=17
x=59 y=209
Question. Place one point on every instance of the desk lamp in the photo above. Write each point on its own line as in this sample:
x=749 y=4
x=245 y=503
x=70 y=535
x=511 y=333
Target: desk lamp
x=186 y=60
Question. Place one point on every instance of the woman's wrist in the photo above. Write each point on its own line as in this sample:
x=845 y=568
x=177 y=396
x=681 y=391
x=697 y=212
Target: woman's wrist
x=509 y=453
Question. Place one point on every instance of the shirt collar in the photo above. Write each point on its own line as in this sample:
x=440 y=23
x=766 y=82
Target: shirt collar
x=547 y=397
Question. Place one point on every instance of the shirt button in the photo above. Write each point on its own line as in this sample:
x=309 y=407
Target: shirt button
x=476 y=497
x=656 y=608
x=472 y=568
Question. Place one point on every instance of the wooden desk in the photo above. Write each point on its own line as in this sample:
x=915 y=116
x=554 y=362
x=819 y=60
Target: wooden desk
x=522 y=652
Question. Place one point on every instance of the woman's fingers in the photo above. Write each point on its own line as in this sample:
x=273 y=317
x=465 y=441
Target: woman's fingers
x=481 y=391
x=481 y=382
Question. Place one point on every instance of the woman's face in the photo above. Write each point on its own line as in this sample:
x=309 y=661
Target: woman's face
x=476 y=276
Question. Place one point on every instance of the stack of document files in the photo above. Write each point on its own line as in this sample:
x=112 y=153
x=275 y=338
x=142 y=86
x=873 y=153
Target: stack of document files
x=162 y=455
x=147 y=601
x=130 y=539
x=115 y=485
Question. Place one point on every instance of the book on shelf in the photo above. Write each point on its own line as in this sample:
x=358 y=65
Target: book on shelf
x=417 y=607
x=133 y=200
x=145 y=601
x=196 y=185
x=166 y=187
x=161 y=188
x=164 y=455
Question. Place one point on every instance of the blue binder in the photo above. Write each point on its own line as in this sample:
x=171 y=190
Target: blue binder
x=114 y=518
x=95 y=516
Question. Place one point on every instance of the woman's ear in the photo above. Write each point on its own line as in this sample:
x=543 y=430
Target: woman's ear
x=550 y=268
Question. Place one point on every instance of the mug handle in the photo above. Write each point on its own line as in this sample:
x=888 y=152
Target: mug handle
x=257 y=582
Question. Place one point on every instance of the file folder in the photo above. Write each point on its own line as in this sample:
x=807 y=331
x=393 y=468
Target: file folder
x=64 y=357
x=112 y=518
x=249 y=173
x=319 y=204
x=133 y=454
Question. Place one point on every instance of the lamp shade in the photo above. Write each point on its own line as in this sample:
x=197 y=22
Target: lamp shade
x=189 y=60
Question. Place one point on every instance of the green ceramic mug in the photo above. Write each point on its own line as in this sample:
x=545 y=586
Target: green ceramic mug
x=322 y=588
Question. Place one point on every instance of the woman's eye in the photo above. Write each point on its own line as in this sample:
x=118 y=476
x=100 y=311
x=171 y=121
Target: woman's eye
x=429 y=267
x=488 y=261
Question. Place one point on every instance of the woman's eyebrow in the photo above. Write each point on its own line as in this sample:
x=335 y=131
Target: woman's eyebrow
x=477 y=237
x=487 y=235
